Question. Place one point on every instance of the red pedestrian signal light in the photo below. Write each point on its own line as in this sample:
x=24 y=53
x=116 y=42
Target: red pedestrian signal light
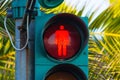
x=61 y=41
x=62 y=37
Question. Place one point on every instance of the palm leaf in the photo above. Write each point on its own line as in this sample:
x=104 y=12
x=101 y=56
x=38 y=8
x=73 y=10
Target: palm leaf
x=7 y=60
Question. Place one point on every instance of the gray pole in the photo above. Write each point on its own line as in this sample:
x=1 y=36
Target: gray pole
x=30 y=56
x=24 y=68
x=24 y=58
x=20 y=64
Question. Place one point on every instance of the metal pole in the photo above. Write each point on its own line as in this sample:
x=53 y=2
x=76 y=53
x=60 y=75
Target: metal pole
x=30 y=56
x=24 y=58
x=24 y=69
x=20 y=68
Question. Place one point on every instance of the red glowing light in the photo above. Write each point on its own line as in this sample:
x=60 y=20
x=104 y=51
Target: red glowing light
x=64 y=36
x=62 y=40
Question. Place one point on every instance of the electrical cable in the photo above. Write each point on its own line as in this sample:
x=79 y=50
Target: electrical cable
x=29 y=6
x=5 y=20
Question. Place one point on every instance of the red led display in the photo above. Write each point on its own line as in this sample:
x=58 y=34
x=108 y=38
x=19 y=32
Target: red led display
x=62 y=40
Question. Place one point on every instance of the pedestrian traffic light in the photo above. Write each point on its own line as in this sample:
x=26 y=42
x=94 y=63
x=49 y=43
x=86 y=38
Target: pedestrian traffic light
x=61 y=47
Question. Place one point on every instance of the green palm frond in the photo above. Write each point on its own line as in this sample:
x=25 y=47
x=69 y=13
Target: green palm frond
x=10 y=25
x=105 y=46
x=7 y=53
x=4 y=5
x=7 y=59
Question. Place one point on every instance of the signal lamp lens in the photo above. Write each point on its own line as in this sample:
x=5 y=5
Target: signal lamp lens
x=61 y=76
x=62 y=40
x=64 y=36
x=65 y=72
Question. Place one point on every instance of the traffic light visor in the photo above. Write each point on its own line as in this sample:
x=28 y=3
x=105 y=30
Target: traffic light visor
x=62 y=36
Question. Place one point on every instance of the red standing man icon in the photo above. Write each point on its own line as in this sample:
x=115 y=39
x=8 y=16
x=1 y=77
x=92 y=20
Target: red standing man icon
x=62 y=40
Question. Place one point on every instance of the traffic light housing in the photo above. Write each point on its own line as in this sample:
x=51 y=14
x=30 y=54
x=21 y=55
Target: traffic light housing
x=50 y=3
x=61 y=47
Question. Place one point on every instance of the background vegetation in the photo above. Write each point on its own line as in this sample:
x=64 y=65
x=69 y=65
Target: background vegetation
x=104 y=40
